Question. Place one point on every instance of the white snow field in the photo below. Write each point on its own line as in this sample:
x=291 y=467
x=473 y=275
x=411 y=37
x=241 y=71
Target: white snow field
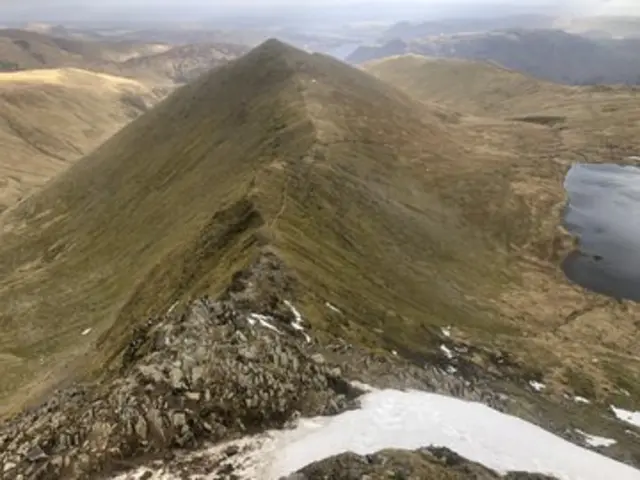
x=413 y=419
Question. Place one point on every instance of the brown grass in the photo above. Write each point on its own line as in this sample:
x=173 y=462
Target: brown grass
x=51 y=117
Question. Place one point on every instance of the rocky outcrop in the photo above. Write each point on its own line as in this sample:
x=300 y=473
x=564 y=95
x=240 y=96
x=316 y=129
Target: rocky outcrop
x=432 y=463
x=209 y=373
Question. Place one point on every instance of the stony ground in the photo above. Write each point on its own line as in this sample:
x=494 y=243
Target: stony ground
x=426 y=463
x=216 y=371
x=208 y=373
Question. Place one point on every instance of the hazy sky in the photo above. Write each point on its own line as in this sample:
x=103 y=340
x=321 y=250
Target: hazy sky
x=184 y=8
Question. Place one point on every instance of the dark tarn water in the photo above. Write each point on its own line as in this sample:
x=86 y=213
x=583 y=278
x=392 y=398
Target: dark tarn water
x=604 y=211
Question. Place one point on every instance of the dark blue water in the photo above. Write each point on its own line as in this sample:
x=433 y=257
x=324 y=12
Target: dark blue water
x=604 y=211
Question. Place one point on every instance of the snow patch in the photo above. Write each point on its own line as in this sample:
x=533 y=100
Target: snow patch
x=626 y=416
x=264 y=321
x=86 y=332
x=297 y=322
x=537 y=386
x=413 y=419
x=446 y=331
x=579 y=399
x=332 y=307
x=444 y=349
x=595 y=441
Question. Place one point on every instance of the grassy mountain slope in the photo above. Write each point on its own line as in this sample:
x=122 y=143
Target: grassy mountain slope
x=50 y=118
x=472 y=86
x=546 y=54
x=403 y=219
x=21 y=50
x=487 y=89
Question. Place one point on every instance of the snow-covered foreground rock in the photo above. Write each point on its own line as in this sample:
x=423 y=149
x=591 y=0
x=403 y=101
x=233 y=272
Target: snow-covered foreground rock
x=412 y=419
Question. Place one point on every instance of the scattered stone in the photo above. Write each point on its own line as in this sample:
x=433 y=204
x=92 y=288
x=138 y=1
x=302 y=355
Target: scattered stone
x=424 y=463
x=35 y=453
x=202 y=376
x=231 y=450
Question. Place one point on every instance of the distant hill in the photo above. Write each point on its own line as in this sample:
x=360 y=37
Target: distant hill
x=546 y=54
x=415 y=31
x=602 y=26
x=489 y=90
x=49 y=118
x=22 y=49
x=152 y=61
x=469 y=86
x=181 y=64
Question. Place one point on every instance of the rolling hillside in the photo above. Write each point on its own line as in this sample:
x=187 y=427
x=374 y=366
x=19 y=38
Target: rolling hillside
x=148 y=62
x=487 y=89
x=287 y=178
x=22 y=50
x=50 y=118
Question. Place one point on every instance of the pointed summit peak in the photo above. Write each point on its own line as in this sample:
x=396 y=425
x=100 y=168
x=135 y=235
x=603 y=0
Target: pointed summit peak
x=274 y=48
x=274 y=43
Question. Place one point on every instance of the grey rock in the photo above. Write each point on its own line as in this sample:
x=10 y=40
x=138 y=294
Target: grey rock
x=35 y=453
x=318 y=358
x=176 y=377
x=194 y=396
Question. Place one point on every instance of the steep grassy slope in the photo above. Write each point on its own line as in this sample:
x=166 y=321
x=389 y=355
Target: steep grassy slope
x=404 y=219
x=50 y=118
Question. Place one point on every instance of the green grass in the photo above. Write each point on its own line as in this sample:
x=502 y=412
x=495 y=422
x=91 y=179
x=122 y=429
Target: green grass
x=377 y=204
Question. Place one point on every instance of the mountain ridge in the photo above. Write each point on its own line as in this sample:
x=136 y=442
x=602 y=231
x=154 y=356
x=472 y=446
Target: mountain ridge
x=432 y=237
x=98 y=205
